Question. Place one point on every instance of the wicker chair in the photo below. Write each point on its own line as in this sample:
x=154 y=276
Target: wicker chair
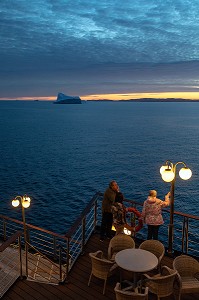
x=155 y=247
x=161 y=284
x=130 y=293
x=101 y=267
x=188 y=275
x=119 y=242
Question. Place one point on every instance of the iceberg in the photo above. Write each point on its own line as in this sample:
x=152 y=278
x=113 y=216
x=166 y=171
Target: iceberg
x=64 y=99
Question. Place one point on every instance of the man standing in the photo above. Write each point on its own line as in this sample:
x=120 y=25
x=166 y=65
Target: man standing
x=107 y=216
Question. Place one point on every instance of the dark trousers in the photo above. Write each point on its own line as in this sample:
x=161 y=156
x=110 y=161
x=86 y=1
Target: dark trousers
x=106 y=225
x=153 y=232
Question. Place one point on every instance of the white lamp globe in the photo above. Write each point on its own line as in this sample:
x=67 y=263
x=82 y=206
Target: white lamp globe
x=26 y=198
x=185 y=173
x=168 y=175
x=15 y=202
x=26 y=203
x=163 y=168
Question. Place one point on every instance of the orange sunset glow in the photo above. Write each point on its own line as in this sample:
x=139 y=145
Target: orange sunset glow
x=183 y=95
x=163 y=95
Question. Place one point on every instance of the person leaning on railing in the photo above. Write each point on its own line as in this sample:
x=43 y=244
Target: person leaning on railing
x=107 y=216
x=119 y=214
x=152 y=213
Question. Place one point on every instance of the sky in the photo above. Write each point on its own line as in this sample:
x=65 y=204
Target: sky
x=95 y=49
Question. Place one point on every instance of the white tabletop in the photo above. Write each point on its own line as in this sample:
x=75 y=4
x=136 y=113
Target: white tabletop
x=136 y=260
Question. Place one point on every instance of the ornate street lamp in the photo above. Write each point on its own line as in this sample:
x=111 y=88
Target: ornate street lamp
x=168 y=173
x=25 y=203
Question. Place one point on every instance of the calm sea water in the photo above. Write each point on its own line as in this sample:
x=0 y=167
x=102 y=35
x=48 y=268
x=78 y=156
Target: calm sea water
x=60 y=155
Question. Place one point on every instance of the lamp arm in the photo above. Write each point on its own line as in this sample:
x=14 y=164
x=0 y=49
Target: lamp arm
x=169 y=163
x=180 y=162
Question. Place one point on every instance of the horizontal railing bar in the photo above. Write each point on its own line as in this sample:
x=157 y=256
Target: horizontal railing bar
x=165 y=210
x=34 y=227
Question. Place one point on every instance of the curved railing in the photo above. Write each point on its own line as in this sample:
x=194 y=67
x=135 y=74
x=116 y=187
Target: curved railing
x=66 y=249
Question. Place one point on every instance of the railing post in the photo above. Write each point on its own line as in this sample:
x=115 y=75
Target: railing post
x=67 y=258
x=26 y=242
x=183 y=235
x=20 y=257
x=60 y=264
x=95 y=215
x=55 y=247
x=4 y=230
x=171 y=223
x=26 y=254
x=28 y=234
x=83 y=233
x=186 y=234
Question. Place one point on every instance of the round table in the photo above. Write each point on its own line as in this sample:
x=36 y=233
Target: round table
x=136 y=260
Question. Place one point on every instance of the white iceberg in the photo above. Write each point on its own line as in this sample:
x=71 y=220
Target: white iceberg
x=64 y=99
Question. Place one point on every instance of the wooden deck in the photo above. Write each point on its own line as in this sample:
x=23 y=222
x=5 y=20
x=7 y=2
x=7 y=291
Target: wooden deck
x=77 y=287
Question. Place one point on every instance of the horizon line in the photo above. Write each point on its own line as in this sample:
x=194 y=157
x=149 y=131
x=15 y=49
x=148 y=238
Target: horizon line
x=120 y=96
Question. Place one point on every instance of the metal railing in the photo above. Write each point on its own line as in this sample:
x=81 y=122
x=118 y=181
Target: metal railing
x=186 y=237
x=61 y=249
x=66 y=249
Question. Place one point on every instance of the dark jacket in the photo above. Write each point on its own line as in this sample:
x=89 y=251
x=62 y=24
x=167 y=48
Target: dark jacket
x=108 y=200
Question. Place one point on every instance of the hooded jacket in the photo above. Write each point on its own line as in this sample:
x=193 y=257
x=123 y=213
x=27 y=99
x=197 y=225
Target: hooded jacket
x=152 y=210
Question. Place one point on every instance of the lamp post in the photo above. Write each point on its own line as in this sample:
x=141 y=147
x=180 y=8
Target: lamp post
x=25 y=203
x=168 y=173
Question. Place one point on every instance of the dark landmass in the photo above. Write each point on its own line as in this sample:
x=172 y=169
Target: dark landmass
x=149 y=100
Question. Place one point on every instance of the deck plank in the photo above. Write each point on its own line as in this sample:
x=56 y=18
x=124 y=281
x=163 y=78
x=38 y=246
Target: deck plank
x=77 y=286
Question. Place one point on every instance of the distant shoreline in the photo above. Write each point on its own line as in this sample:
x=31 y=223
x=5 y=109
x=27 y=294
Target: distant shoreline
x=108 y=100
x=148 y=100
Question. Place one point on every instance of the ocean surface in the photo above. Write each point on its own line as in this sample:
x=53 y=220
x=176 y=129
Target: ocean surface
x=60 y=155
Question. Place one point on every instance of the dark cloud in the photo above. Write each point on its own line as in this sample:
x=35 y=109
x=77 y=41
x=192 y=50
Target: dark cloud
x=86 y=47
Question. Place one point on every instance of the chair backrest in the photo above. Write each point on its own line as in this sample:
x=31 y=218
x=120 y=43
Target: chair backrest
x=100 y=265
x=120 y=242
x=186 y=266
x=162 y=285
x=153 y=246
x=127 y=295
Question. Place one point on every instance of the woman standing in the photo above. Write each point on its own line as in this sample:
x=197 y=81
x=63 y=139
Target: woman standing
x=152 y=213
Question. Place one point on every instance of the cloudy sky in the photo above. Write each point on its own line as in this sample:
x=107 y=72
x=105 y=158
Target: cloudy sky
x=99 y=49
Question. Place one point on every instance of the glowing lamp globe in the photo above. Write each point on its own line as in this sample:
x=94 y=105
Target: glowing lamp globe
x=127 y=232
x=26 y=202
x=185 y=173
x=163 y=168
x=168 y=175
x=113 y=228
x=15 y=202
x=26 y=198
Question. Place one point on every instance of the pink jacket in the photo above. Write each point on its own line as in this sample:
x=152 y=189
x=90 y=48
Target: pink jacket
x=152 y=210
